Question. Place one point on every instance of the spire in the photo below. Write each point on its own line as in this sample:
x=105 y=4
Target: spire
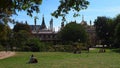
x=51 y=24
x=90 y=22
x=35 y=22
x=83 y=22
x=82 y=17
x=26 y=23
x=43 y=26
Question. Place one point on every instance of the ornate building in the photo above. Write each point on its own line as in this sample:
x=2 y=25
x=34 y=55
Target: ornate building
x=90 y=29
x=41 y=31
x=49 y=35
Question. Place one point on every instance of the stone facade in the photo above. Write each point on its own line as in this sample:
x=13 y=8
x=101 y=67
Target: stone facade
x=90 y=29
x=48 y=34
x=42 y=32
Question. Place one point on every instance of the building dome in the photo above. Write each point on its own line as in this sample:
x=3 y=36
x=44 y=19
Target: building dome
x=83 y=22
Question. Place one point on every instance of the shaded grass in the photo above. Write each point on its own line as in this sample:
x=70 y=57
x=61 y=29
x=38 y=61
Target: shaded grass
x=64 y=60
x=116 y=50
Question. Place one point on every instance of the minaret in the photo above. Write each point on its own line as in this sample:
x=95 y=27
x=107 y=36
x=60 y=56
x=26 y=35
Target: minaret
x=43 y=26
x=82 y=17
x=90 y=22
x=35 y=22
x=51 y=24
x=83 y=22
x=26 y=23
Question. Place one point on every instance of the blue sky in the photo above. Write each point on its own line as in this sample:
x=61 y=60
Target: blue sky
x=109 y=8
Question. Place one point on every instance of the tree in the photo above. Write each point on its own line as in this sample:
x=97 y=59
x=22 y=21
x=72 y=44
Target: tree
x=117 y=36
x=73 y=32
x=34 y=45
x=21 y=26
x=5 y=33
x=103 y=29
x=116 y=27
x=20 y=38
x=116 y=20
x=1 y=31
x=70 y=5
x=10 y=7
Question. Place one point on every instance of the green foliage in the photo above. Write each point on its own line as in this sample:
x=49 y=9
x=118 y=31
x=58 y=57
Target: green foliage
x=117 y=19
x=73 y=32
x=4 y=31
x=1 y=47
x=115 y=32
x=104 y=29
x=68 y=48
x=9 y=7
x=5 y=34
x=117 y=36
x=21 y=26
x=70 y=5
x=33 y=45
x=1 y=31
x=20 y=38
x=21 y=34
x=107 y=30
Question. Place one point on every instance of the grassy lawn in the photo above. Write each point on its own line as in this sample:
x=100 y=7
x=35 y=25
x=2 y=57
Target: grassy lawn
x=63 y=60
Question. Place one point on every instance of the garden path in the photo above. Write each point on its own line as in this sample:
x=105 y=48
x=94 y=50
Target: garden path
x=4 y=54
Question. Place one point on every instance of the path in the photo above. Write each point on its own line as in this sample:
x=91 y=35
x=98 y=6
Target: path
x=4 y=54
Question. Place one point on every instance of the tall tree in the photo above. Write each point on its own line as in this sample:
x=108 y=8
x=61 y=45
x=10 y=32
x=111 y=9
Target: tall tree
x=21 y=38
x=116 y=31
x=5 y=33
x=117 y=36
x=73 y=32
x=103 y=29
x=21 y=26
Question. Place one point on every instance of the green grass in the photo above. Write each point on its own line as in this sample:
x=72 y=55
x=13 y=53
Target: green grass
x=63 y=60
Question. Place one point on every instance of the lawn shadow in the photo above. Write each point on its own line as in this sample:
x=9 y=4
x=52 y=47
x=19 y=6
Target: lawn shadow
x=117 y=50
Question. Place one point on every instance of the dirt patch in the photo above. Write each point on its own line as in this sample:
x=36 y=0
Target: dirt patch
x=92 y=48
x=4 y=54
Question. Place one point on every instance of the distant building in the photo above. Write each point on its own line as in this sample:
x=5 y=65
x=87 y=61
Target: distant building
x=49 y=35
x=41 y=31
x=90 y=29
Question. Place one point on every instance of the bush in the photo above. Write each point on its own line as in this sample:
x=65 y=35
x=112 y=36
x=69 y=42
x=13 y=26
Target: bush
x=36 y=45
x=1 y=47
x=32 y=45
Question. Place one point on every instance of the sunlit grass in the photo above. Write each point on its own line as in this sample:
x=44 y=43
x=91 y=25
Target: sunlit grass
x=64 y=60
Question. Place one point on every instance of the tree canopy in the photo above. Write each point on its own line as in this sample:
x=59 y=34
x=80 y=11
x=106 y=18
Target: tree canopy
x=73 y=32
x=117 y=36
x=102 y=25
x=70 y=5
x=10 y=7
x=21 y=26
x=116 y=31
x=4 y=32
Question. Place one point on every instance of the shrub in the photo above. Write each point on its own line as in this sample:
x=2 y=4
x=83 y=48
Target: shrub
x=1 y=47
